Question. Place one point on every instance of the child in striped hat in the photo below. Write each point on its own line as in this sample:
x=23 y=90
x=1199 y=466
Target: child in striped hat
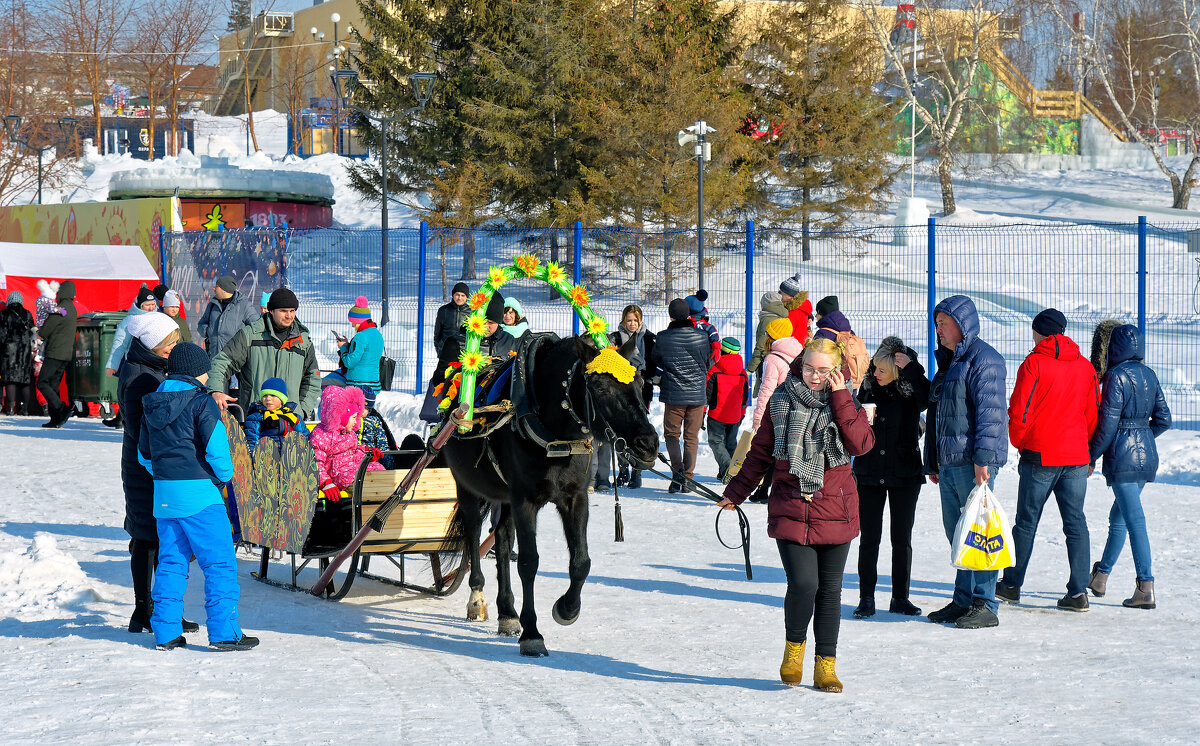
x=360 y=355
x=273 y=415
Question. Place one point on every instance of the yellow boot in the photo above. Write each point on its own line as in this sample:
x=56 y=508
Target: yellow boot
x=792 y=668
x=825 y=678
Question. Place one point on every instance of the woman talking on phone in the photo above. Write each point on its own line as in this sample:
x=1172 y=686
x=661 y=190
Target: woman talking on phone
x=812 y=513
x=894 y=393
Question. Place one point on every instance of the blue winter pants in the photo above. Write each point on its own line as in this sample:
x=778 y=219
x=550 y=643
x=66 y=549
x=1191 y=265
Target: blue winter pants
x=955 y=484
x=207 y=535
x=1127 y=516
x=1069 y=485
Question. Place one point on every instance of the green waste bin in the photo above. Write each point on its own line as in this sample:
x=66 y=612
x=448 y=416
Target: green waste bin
x=93 y=345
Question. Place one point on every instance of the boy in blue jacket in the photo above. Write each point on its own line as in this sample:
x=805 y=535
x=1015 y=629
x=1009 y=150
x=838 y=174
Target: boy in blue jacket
x=183 y=445
x=273 y=416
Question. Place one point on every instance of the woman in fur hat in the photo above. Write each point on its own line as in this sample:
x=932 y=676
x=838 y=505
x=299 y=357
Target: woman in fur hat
x=891 y=472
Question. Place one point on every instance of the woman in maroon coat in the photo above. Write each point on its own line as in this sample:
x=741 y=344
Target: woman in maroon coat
x=812 y=513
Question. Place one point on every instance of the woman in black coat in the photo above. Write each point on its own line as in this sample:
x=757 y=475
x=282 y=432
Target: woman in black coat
x=16 y=356
x=142 y=370
x=897 y=389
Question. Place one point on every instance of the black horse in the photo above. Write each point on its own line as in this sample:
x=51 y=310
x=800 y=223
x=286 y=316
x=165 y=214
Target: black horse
x=521 y=476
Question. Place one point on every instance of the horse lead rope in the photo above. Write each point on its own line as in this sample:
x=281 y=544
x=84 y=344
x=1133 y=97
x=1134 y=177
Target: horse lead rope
x=743 y=523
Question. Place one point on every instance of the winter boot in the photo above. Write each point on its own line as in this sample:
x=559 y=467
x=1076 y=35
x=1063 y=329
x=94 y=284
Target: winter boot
x=825 y=678
x=178 y=642
x=142 y=611
x=979 y=617
x=1008 y=593
x=676 y=484
x=904 y=606
x=949 y=613
x=143 y=556
x=1073 y=603
x=792 y=668
x=245 y=643
x=635 y=479
x=1143 y=596
x=623 y=476
x=865 y=609
x=1098 y=584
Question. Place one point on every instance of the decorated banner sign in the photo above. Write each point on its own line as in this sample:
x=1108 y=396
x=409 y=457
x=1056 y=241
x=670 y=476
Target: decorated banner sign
x=527 y=265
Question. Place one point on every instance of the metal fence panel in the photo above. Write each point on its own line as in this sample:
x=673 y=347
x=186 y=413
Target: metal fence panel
x=881 y=276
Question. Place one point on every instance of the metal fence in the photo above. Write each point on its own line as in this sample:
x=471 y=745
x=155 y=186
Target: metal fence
x=887 y=279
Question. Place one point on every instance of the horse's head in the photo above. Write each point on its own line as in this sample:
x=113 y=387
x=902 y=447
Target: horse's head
x=615 y=389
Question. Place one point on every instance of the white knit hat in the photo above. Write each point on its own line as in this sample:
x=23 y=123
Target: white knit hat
x=171 y=300
x=152 y=328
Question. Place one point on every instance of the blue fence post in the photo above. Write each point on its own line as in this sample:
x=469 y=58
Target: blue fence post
x=932 y=301
x=749 y=348
x=162 y=256
x=576 y=270
x=1141 y=281
x=420 y=372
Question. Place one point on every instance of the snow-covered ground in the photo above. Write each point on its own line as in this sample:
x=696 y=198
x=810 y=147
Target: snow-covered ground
x=674 y=646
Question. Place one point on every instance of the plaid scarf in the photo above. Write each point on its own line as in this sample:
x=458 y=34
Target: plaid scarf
x=805 y=433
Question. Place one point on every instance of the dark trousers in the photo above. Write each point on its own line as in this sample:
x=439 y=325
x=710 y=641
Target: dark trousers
x=814 y=592
x=1069 y=485
x=723 y=440
x=19 y=398
x=902 y=504
x=48 y=382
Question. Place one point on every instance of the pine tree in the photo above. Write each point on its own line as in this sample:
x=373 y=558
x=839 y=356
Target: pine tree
x=239 y=15
x=535 y=139
x=827 y=135
x=665 y=66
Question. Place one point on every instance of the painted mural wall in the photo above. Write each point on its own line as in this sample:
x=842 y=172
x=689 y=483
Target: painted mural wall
x=130 y=222
x=1001 y=123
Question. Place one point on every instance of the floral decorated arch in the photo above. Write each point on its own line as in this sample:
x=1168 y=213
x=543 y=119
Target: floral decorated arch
x=523 y=266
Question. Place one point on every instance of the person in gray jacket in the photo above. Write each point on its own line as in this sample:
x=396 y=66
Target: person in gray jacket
x=681 y=352
x=226 y=314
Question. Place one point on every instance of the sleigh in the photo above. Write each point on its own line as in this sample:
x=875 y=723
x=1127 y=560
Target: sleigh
x=280 y=516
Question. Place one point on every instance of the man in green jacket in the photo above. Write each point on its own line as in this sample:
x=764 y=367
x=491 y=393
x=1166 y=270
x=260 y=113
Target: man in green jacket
x=275 y=346
x=58 y=331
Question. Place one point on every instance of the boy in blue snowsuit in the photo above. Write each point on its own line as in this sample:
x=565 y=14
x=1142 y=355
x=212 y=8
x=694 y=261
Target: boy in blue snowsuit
x=183 y=445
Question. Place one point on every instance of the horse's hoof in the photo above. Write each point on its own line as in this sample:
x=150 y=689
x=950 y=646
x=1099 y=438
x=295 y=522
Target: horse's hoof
x=534 y=648
x=564 y=621
x=477 y=607
x=509 y=627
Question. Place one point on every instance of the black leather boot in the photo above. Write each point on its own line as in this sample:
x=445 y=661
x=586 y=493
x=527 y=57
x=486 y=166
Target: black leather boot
x=143 y=556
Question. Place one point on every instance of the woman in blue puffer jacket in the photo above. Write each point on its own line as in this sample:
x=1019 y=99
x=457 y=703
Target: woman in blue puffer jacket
x=1133 y=412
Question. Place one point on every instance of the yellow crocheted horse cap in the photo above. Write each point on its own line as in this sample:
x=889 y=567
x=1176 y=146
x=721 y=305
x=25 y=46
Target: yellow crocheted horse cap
x=610 y=361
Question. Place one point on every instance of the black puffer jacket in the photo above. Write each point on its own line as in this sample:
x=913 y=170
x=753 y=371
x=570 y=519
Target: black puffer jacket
x=16 y=345
x=449 y=325
x=1133 y=412
x=140 y=373
x=681 y=353
x=895 y=461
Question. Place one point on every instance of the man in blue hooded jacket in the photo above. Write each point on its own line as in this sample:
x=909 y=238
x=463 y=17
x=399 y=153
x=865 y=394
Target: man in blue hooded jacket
x=966 y=442
x=183 y=444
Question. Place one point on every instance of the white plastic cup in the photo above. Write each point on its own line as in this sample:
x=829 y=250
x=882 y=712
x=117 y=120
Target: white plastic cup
x=870 y=410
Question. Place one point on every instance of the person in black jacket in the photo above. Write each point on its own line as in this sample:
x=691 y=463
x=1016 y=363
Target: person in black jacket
x=16 y=356
x=59 y=335
x=681 y=352
x=144 y=366
x=451 y=317
x=895 y=391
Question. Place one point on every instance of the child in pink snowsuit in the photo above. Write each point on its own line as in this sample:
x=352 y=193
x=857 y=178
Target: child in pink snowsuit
x=336 y=440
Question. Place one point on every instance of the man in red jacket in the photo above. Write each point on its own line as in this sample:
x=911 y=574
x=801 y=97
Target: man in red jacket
x=1051 y=416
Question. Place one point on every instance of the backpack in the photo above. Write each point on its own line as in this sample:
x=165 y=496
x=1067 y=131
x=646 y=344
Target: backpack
x=855 y=356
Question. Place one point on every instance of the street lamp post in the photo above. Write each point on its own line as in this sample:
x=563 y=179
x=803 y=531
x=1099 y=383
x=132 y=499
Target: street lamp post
x=344 y=83
x=65 y=130
x=697 y=134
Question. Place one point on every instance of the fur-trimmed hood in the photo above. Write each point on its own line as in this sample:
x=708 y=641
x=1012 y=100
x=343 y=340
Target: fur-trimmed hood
x=1100 y=340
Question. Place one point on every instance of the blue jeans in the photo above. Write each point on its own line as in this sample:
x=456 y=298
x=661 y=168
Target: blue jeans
x=955 y=484
x=1069 y=484
x=1126 y=516
x=206 y=535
